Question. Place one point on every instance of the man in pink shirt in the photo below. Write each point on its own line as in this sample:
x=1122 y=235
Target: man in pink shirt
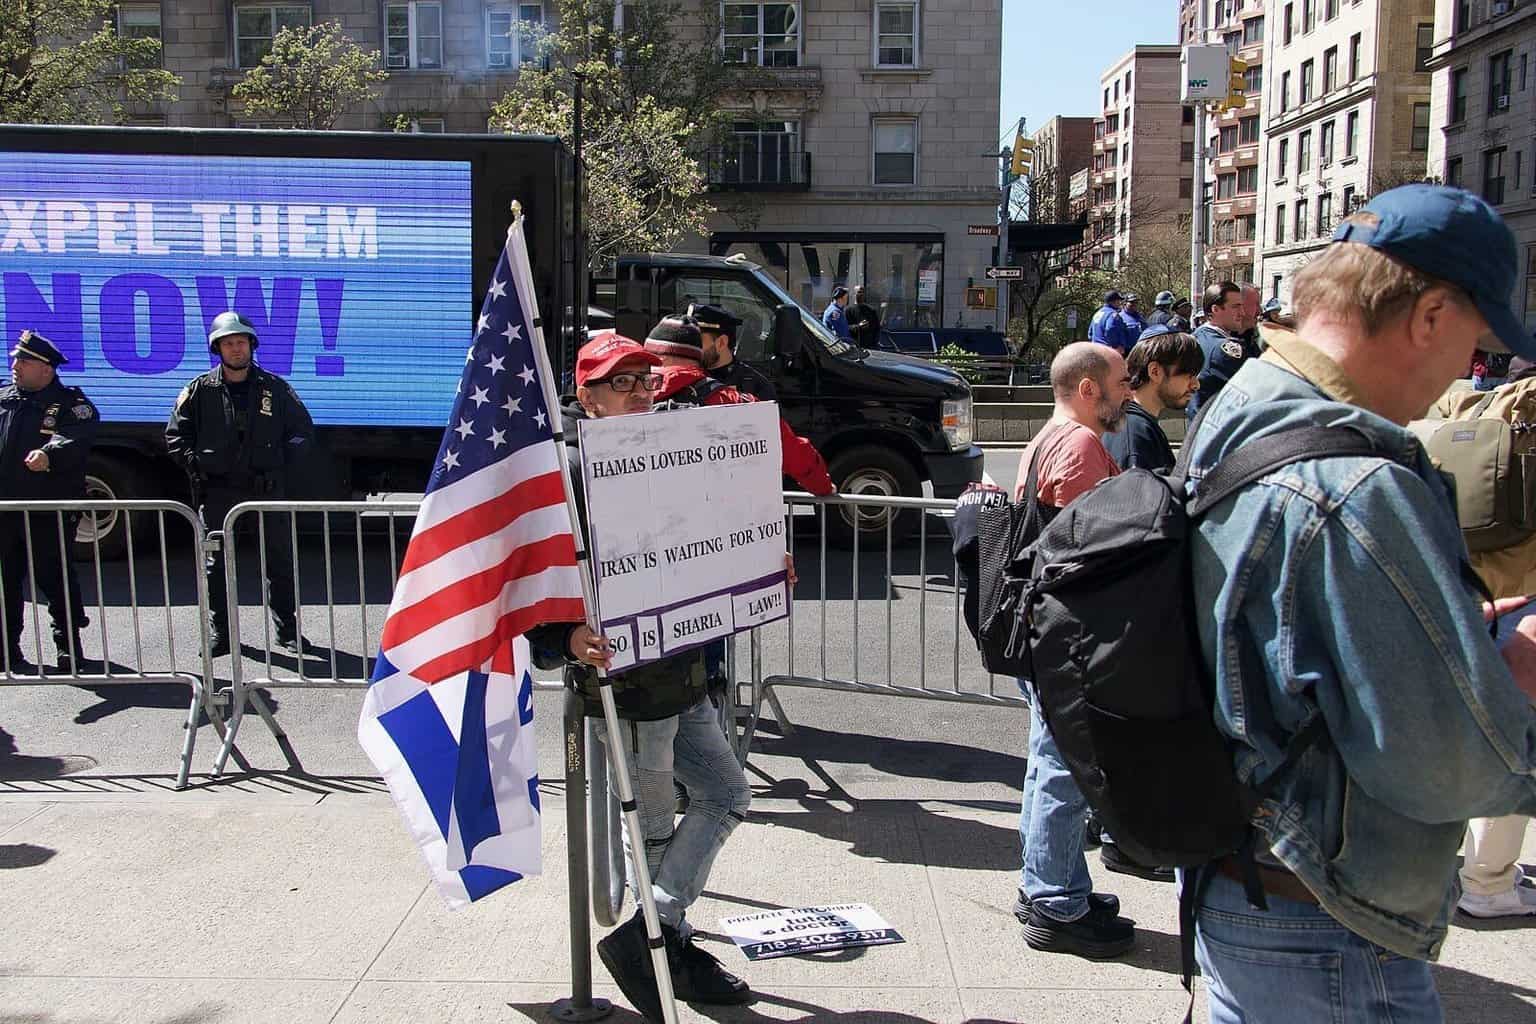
x=1056 y=904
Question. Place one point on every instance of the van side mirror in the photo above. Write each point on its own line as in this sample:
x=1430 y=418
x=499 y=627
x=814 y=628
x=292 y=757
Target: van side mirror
x=788 y=331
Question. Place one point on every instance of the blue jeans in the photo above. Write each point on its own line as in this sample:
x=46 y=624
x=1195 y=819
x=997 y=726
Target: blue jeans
x=1051 y=816
x=1325 y=972
x=691 y=749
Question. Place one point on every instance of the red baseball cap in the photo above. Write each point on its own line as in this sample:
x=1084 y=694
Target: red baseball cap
x=606 y=350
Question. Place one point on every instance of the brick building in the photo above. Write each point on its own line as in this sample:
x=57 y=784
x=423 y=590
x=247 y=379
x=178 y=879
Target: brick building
x=1063 y=147
x=867 y=128
x=1483 y=107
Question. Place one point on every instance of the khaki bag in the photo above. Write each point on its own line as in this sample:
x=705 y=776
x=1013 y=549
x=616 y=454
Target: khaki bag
x=1486 y=440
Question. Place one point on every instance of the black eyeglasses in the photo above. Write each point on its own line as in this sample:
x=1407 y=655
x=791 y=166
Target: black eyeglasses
x=624 y=383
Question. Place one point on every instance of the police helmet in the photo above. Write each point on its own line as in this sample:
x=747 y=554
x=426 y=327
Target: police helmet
x=227 y=323
x=1164 y=299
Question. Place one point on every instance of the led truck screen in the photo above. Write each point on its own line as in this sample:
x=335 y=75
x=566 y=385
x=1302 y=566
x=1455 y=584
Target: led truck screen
x=355 y=274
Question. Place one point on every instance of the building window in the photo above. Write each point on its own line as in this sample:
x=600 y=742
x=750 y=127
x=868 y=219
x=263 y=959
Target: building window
x=1117 y=90
x=1226 y=186
x=1519 y=161
x=1280 y=224
x=1351 y=133
x=1128 y=118
x=1246 y=229
x=427 y=126
x=1306 y=80
x=255 y=27
x=896 y=34
x=1420 y=142
x=763 y=34
x=1522 y=72
x=1186 y=188
x=1530 y=279
x=1354 y=57
x=1325 y=214
x=1453 y=172
x=1187 y=115
x=1282 y=159
x=1308 y=15
x=1330 y=9
x=1253 y=31
x=1463 y=15
x=413 y=35
x=140 y=21
x=1289 y=26
x=766 y=152
x=1493 y=176
x=1274 y=286
x=1247 y=181
x=1106 y=97
x=1226 y=142
x=895 y=152
x=1458 y=95
x=511 y=35
x=1498 y=82
x=1330 y=69
x=1127 y=85
x=1424 y=45
x=1325 y=144
x=1304 y=153
x=1285 y=91
x=1300 y=223
x=1253 y=80
x=1248 y=131
x=1349 y=200
x=1186 y=152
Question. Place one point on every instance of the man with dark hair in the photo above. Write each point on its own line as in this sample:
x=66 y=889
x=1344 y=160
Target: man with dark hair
x=1056 y=904
x=1105 y=327
x=1182 y=311
x=864 y=319
x=1164 y=367
x=1220 y=340
x=1336 y=593
x=835 y=316
x=718 y=332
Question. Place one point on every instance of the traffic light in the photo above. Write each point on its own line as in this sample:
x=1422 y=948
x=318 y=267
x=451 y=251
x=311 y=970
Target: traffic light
x=1023 y=156
x=1237 y=83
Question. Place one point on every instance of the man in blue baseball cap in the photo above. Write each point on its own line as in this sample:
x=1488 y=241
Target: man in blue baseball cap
x=1345 y=635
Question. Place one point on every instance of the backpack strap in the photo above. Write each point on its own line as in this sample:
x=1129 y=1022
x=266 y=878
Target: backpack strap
x=1250 y=462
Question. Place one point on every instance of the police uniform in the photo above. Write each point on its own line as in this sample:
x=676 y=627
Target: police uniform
x=735 y=374
x=237 y=441
x=1224 y=356
x=61 y=422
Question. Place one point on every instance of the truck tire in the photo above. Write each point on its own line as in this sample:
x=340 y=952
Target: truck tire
x=876 y=472
x=106 y=478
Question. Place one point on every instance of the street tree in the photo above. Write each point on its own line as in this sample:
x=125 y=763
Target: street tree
x=652 y=91
x=310 y=77
x=63 y=62
x=1158 y=261
x=1054 y=279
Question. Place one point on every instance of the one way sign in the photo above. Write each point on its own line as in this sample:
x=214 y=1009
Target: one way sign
x=1005 y=273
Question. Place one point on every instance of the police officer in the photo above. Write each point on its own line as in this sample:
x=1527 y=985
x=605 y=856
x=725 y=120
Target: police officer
x=1222 y=340
x=46 y=431
x=237 y=430
x=719 y=329
x=1164 y=311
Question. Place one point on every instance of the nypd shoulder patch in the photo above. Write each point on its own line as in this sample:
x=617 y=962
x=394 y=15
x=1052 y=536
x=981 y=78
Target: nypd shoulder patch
x=83 y=411
x=1233 y=349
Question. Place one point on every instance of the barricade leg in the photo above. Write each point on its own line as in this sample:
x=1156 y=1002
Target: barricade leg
x=605 y=834
x=579 y=1005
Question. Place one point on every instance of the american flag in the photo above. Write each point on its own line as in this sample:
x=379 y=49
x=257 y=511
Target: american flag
x=448 y=716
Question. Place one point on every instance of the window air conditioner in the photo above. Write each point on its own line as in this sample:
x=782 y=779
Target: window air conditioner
x=1501 y=102
x=499 y=60
x=1500 y=7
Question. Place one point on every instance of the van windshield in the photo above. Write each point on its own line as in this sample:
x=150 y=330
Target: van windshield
x=813 y=326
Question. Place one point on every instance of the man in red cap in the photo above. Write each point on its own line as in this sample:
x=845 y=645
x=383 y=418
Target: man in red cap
x=680 y=345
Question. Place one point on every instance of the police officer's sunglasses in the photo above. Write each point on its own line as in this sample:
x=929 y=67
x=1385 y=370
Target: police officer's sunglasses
x=624 y=383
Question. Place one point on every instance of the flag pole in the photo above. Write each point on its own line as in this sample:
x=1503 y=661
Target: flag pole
x=617 y=754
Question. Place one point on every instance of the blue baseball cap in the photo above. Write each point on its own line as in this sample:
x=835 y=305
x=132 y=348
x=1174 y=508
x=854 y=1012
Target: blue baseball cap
x=1156 y=331
x=1453 y=235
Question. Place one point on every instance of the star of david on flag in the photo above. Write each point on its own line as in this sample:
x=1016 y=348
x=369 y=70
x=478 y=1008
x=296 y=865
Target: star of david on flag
x=448 y=717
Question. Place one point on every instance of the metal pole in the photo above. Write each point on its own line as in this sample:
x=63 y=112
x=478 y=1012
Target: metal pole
x=579 y=1006
x=1197 y=215
x=617 y=754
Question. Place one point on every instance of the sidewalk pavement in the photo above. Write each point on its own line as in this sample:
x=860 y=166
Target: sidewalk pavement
x=295 y=900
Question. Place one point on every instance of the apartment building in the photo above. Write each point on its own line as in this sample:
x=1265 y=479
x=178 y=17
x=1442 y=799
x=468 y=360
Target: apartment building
x=1063 y=147
x=865 y=141
x=1483 y=109
x=1346 y=112
x=1143 y=154
x=1234 y=141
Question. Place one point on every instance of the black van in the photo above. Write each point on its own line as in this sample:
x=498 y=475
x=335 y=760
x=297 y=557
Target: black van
x=884 y=422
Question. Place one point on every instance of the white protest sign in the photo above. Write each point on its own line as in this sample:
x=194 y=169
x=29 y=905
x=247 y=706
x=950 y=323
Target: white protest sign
x=686 y=517
x=776 y=933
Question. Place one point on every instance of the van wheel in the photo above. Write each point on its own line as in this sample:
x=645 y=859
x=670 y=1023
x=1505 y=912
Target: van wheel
x=878 y=473
x=106 y=479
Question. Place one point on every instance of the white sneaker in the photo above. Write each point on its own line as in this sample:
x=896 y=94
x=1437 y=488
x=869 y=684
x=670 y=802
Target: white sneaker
x=1517 y=902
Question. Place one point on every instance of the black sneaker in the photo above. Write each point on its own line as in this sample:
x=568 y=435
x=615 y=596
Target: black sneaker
x=1095 y=935
x=1107 y=903
x=697 y=977
x=70 y=657
x=19 y=664
x=1115 y=859
x=628 y=959
x=1093 y=833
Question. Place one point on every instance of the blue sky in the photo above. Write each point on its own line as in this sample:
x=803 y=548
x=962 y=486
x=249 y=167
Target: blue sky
x=1053 y=51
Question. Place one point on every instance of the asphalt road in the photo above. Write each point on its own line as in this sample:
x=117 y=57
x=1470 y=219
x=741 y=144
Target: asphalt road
x=849 y=626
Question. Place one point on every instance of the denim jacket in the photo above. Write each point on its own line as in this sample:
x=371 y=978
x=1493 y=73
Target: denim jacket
x=1335 y=588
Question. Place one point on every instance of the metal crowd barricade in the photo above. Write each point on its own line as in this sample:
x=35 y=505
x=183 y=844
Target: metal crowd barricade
x=121 y=662
x=946 y=667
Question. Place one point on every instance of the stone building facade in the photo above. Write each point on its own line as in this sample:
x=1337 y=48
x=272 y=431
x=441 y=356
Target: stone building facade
x=1063 y=147
x=866 y=142
x=1346 y=113
x=1483 y=108
x=1143 y=159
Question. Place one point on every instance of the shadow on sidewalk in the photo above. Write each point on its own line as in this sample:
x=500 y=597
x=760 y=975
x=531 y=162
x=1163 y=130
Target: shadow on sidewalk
x=930 y=760
x=1471 y=997
x=731 y=1014
x=18 y=767
x=24 y=855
